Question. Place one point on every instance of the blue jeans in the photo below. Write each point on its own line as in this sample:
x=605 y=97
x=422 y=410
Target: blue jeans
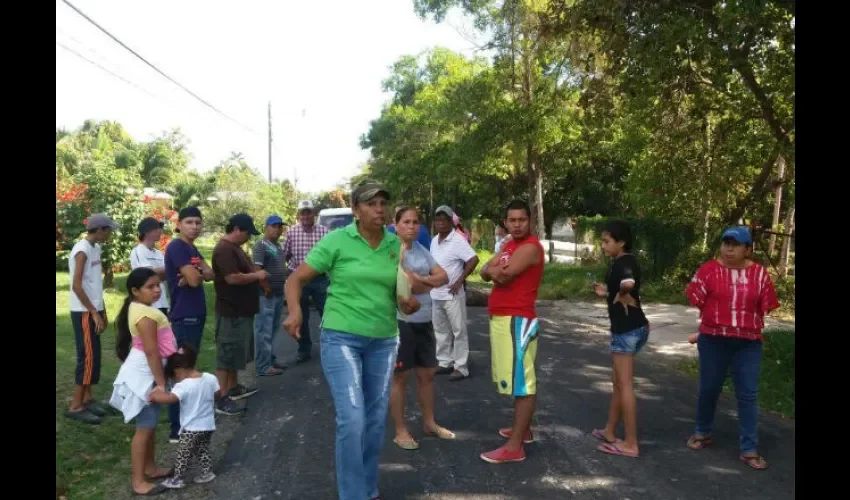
x=359 y=371
x=316 y=292
x=716 y=356
x=188 y=330
x=266 y=328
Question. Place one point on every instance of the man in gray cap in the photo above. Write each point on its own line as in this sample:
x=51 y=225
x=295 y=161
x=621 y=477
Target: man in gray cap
x=454 y=254
x=88 y=316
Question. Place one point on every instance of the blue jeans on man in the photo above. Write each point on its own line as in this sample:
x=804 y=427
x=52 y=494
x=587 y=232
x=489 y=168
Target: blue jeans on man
x=716 y=356
x=266 y=328
x=315 y=292
x=358 y=370
x=189 y=330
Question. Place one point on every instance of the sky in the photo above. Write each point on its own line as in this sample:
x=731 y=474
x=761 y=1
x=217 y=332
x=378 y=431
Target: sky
x=320 y=64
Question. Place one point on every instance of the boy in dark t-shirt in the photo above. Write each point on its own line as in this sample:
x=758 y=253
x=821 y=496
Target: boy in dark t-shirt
x=629 y=333
x=186 y=271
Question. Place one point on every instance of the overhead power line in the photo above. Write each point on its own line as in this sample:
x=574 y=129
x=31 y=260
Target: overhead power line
x=172 y=80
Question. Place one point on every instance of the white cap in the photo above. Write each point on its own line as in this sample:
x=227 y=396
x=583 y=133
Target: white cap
x=305 y=205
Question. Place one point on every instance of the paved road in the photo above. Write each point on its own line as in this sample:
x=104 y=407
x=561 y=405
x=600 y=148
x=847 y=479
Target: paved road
x=284 y=449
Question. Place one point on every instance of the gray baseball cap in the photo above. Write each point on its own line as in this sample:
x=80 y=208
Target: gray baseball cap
x=97 y=221
x=445 y=209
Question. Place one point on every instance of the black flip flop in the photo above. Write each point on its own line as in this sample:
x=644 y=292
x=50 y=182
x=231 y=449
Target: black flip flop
x=167 y=474
x=156 y=490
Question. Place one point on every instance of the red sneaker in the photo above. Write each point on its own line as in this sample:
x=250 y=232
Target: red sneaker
x=503 y=456
x=507 y=432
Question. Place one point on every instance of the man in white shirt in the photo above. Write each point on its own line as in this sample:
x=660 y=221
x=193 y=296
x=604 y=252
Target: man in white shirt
x=145 y=254
x=88 y=316
x=454 y=254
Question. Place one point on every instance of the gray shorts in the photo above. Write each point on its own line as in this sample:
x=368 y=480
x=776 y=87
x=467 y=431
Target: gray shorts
x=148 y=417
x=231 y=342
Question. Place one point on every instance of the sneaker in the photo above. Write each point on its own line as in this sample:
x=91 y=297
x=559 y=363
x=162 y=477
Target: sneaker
x=507 y=432
x=204 y=478
x=241 y=392
x=503 y=456
x=302 y=358
x=445 y=370
x=173 y=483
x=227 y=406
x=174 y=437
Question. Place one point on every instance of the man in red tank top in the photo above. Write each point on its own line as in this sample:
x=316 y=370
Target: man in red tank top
x=516 y=272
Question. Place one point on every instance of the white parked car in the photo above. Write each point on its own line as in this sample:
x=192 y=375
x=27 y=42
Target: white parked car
x=335 y=218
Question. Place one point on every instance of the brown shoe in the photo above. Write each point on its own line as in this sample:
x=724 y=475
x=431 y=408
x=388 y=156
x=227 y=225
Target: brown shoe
x=456 y=376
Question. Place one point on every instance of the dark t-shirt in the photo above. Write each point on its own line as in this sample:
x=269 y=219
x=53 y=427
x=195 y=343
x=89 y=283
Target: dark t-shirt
x=624 y=267
x=233 y=301
x=186 y=301
x=269 y=256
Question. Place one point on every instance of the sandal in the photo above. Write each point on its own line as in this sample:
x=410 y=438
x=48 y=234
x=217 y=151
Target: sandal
x=156 y=490
x=698 y=443
x=757 y=462
x=409 y=445
x=600 y=435
x=613 y=449
x=442 y=433
x=168 y=473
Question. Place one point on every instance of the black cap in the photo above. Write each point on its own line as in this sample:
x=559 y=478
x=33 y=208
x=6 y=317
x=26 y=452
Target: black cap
x=189 y=212
x=149 y=224
x=244 y=222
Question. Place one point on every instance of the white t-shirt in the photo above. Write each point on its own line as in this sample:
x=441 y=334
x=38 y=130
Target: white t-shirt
x=197 y=402
x=92 y=275
x=142 y=256
x=452 y=255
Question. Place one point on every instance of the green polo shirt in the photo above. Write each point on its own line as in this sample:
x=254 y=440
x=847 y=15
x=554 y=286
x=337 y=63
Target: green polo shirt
x=361 y=297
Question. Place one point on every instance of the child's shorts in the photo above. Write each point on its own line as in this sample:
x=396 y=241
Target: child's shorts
x=148 y=417
x=629 y=342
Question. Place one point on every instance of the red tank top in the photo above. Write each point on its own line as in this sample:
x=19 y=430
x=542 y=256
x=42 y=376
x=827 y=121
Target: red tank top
x=517 y=298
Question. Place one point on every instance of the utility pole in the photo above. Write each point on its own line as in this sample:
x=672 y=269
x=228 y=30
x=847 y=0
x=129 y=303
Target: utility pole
x=270 y=141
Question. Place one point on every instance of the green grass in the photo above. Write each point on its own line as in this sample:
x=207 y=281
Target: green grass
x=93 y=461
x=565 y=281
x=778 y=376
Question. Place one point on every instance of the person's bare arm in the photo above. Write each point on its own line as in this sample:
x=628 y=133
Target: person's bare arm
x=191 y=276
x=468 y=268
x=436 y=279
x=147 y=330
x=302 y=275
x=77 y=286
x=161 y=397
x=264 y=283
x=524 y=258
x=246 y=278
x=491 y=264
x=206 y=271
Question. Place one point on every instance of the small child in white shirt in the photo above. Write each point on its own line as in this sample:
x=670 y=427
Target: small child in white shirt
x=196 y=393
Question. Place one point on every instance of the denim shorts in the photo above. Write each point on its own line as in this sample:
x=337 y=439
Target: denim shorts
x=630 y=342
x=148 y=417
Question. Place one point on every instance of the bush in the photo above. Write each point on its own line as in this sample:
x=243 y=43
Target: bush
x=661 y=246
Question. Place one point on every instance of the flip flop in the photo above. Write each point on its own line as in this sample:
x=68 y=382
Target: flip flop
x=168 y=473
x=442 y=433
x=613 y=449
x=407 y=445
x=600 y=435
x=156 y=490
x=756 y=462
x=696 y=443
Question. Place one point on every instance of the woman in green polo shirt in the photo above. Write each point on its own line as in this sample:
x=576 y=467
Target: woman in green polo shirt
x=359 y=333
